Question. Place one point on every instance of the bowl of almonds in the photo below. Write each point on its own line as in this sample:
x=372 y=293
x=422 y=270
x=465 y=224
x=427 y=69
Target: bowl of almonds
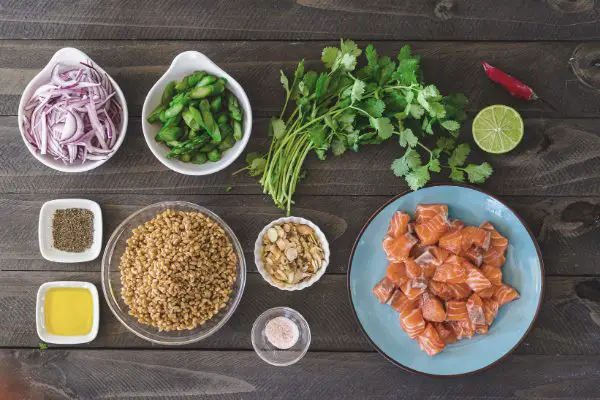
x=291 y=253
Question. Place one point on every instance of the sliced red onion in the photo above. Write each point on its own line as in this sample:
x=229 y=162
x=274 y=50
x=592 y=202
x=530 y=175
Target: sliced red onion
x=75 y=116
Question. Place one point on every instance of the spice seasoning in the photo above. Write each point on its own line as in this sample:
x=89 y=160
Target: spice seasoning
x=282 y=332
x=73 y=229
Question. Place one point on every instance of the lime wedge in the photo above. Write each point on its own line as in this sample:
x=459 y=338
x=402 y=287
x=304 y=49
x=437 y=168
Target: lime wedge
x=497 y=129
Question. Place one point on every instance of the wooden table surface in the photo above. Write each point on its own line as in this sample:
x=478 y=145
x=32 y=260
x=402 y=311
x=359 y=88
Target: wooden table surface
x=552 y=179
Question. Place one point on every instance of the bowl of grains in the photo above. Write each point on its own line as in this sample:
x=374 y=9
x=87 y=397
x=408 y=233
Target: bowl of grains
x=173 y=273
x=291 y=253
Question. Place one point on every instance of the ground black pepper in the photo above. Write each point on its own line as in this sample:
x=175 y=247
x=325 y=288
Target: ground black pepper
x=73 y=229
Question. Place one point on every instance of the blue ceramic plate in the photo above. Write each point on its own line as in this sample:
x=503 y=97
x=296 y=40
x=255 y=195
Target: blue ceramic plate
x=523 y=270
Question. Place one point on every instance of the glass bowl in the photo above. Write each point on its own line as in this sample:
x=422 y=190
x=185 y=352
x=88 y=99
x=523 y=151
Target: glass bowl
x=272 y=354
x=111 y=278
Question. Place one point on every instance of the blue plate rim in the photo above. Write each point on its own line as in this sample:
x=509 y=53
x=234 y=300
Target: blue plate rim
x=509 y=352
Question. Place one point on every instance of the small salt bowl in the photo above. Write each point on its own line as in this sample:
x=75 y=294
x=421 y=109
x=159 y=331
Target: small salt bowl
x=49 y=252
x=267 y=351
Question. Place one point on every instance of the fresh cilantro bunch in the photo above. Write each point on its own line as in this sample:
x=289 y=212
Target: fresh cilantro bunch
x=348 y=106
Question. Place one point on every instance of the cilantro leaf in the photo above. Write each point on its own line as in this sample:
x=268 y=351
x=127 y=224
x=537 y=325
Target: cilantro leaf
x=457 y=175
x=459 y=155
x=371 y=55
x=251 y=156
x=450 y=125
x=404 y=53
x=400 y=167
x=228 y=189
x=42 y=345
x=277 y=127
x=445 y=144
x=437 y=109
x=348 y=61
x=321 y=85
x=384 y=127
x=478 y=173
x=338 y=147
x=317 y=135
x=358 y=89
x=329 y=56
x=284 y=82
x=413 y=158
x=257 y=166
x=418 y=178
x=407 y=137
x=349 y=47
x=434 y=165
x=416 y=111
x=374 y=107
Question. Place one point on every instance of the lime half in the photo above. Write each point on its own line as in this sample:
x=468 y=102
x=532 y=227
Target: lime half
x=497 y=129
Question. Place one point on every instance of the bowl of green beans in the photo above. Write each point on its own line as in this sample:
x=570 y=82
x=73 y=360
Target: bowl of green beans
x=196 y=118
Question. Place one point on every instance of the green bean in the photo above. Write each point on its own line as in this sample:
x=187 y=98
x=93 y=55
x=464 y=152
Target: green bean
x=173 y=110
x=193 y=133
x=218 y=88
x=194 y=78
x=201 y=92
x=226 y=130
x=174 y=143
x=168 y=133
x=214 y=155
x=237 y=130
x=209 y=121
x=161 y=117
x=207 y=80
x=234 y=107
x=172 y=121
x=221 y=118
x=215 y=104
x=199 y=158
x=186 y=157
x=227 y=143
x=208 y=147
x=188 y=146
x=181 y=85
x=168 y=93
x=155 y=114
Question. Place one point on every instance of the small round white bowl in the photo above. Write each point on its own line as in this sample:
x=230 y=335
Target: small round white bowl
x=258 y=247
x=68 y=56
x=271 y=354
x=184 y=64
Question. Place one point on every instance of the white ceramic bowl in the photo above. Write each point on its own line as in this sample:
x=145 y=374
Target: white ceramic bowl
x=68 y=56
x=182 y=65
x=40 y=321
x=49 y=252
x=258 y=247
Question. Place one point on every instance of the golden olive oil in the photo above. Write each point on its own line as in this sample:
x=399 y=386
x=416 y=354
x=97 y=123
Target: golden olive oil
x=68 y=311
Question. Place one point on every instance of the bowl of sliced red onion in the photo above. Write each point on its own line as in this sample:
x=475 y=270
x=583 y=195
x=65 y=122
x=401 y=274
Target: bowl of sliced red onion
x=72 y=115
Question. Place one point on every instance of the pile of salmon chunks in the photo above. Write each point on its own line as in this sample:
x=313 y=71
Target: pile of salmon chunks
x=444 y=278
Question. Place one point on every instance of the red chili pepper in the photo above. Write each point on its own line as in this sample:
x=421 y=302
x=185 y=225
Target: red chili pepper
x=512 y=84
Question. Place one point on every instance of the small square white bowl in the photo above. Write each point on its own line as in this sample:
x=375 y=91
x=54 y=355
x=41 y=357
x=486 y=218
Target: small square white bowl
x=49 y=252
x=40 y=323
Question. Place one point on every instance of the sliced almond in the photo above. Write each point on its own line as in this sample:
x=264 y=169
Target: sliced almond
x=272 y=234
x=291 y=253
x=304 y=230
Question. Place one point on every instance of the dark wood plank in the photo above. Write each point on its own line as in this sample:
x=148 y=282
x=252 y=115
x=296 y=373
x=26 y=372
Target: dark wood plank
x=569 y=323
x=567 y=228
x=455 y=67
x=305 y=19
x=61 y=374
x=556 y=157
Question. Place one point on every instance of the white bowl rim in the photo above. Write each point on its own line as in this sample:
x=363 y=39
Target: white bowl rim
x=242 y=278
x=230 y=155
x=59 y=56
x=258 y=253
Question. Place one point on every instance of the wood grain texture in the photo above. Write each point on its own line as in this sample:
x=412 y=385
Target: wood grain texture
x=569 y=323
x=567 y=228
x=66 y=374
x=455 y=67
x=556 y=157
x=301 y=19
